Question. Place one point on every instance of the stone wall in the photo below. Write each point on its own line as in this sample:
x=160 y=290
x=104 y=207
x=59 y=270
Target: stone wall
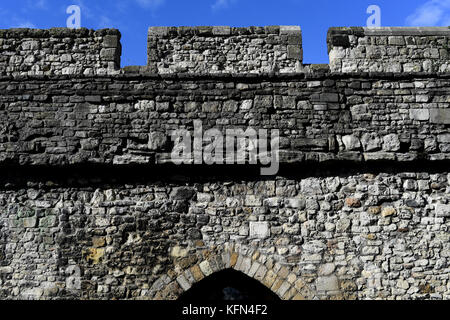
x=129 y=118
x=91 y=208
x=389 y=49
x=381 y=235
x=225 y=49
x=59 y=51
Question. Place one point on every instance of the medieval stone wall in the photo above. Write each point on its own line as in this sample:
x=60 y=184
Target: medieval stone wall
x=343 y=235
x=128 y=118
x=225 y=49
x=389 y=49
x=59 y=51
x=90 y=206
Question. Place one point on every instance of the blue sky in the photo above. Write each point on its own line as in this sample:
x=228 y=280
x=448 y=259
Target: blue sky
x=133 y=17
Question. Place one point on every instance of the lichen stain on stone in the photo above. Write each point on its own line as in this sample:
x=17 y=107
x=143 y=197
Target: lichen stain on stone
x=178 y=252
x=93 y=255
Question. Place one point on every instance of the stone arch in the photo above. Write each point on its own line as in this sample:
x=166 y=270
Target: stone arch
x=280 y=279
x=228 y=284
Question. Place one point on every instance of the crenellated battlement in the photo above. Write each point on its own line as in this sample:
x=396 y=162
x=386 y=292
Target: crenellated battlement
x=95 y=204
x=223 y=49
x=389 y=49
x=59 y=51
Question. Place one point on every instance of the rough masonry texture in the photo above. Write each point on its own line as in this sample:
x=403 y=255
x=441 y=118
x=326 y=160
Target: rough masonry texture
x=92 y=208
x=59 y=51
x=225 y=49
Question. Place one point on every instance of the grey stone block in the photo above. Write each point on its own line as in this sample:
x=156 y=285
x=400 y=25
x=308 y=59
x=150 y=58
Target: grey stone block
x=440 y=116
x=444 y=138
x=158 y=31
x=108 y=54
x=294 y=52
x=221 y=30
x=259 y=230
x=351 y=143
x=419 y=114
x=330 y=283
x=290 y=30
x=442 y=210
x=110 y=41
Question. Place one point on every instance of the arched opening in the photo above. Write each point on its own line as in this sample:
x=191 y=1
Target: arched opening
x=226 y=285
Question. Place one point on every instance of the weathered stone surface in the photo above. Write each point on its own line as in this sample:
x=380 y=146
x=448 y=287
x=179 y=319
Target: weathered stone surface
x=259 y=230
x=419 y=114
x=97 y=52
x=391 y=142
x=442 y=210
x=388 y=211
x=90 y=209
x=382 y=50
x=371 y=142
x=440 y=116
x=330 y=283
x=207 y=49
x=351 y=143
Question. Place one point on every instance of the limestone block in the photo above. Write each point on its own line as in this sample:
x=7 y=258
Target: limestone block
x=259 y=230
x=351 y=143
x=419 y=114
x=442 y=210
x=330 y=283
x=440 y=116
x=391 y=142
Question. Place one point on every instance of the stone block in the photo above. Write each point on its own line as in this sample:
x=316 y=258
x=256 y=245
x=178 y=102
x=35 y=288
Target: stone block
x=290 y=30
x=111 y=41
x=158 y=31
x=330 y=283
x=442 y=210
x=294 y=52
x=221 y=30
x=444 y=138
x=419 y=114
x=157 y=141
x=440 y=116
x=371 y=142
x=108 y=54
x=351 y=143
x=396 y=40
x=327 y=269
x=259 y=230
x=205 y=267
x=183 y=282
x=30 y=222
x=182 y=193
x=391 y=142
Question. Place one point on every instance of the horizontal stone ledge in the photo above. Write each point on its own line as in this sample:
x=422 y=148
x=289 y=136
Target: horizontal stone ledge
x=56 y=33
x=207 y=31
x=406 y=31
x=389 y=31
x=138 y=72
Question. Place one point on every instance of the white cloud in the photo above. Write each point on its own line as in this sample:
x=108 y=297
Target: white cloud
x=104 y=22
x=431 y=13
x=152 y=4
x=24 y=24
x=41 y=4
x=222 y=4
x=35 y=4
